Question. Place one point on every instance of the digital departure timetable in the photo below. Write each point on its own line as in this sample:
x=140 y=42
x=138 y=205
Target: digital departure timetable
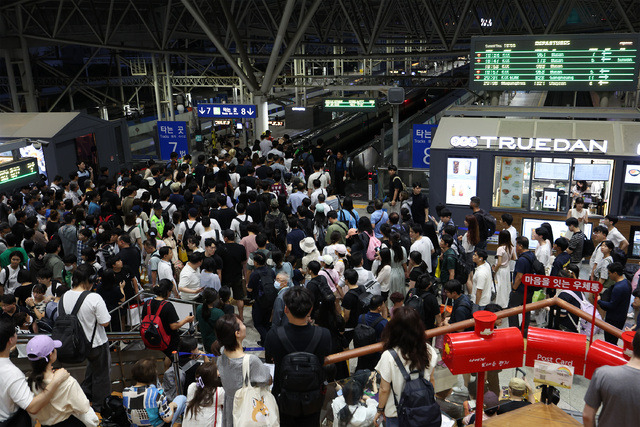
x=594 y=62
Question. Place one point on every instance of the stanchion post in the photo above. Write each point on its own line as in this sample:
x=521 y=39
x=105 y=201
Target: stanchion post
x=176 y=371
x=479 y=398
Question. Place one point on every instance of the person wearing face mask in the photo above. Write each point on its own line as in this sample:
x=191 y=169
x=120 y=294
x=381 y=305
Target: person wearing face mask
x=282 y=285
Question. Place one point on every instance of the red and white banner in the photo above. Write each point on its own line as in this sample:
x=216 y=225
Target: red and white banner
x=562 y=283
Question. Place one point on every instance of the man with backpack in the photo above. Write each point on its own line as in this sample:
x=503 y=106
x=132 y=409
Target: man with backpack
x=395 y=187
x=298 y=350
x=576 y=244
x=275 y=226
x=318 y=287
x=353 y=303
x=368 y=331
x=448 y=266
x=524 y=265
x=378 y=217
x=335 y=225
x=260 y=288
x=462 y=306
x=83 y=315
x=486 y=223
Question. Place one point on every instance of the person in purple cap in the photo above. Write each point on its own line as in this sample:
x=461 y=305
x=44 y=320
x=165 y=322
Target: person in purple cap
x=16 y=399
x=69 y=405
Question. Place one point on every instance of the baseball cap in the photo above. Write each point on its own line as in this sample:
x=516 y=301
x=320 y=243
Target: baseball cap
x=393 y=168
x=41 y=346
x=327 y=259
x=340 y=248
x=517 y=384
x=137 y=209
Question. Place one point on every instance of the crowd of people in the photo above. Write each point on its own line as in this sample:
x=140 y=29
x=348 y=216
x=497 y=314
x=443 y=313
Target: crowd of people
x=268 y=227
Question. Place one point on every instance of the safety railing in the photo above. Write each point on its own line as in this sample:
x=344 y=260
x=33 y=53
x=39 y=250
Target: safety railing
x=465 y=324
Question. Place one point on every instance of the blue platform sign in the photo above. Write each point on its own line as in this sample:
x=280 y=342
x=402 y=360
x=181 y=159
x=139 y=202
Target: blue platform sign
x=228 y=111
x=422 y=145
x=173 y=137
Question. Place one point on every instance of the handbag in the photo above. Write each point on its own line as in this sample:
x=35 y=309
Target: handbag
x=133 y=315
x=254 y=406
x=182 y=254
x=439 y=268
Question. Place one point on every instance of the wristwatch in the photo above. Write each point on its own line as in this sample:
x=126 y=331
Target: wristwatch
x=380 y=410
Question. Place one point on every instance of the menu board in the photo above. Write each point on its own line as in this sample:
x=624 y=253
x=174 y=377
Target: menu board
x=552 y=171
x=511 y=182
x=550 y=199
x=462 y=175
x=592 y=172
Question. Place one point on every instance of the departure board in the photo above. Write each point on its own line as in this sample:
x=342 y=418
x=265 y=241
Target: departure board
x=18 y=173
x=594 y=62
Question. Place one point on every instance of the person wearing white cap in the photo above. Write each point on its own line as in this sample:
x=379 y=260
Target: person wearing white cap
x=69 y=405
x=308 y=245
x=16 y=400
x=332 y=276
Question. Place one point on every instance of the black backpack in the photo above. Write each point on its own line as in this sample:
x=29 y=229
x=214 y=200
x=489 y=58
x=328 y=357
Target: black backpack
x=165 y=214
x=462 y=270
x=363 y=334
x=321 y=241
x=188 y=232
x=68 y=330
x=365 y=296
x=417 y=405
x=114 y=413
x=490 y=223
x=243 y=226
x=301 y=377
x=536 y=266
x=275 y=228
x=417 y=303
x=587 y=247
x=269 y=293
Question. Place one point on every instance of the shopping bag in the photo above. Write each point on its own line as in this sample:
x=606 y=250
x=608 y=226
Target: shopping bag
x=133 y=315
x=254 y=406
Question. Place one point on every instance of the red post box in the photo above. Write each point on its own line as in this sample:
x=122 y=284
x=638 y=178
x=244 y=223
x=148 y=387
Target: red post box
x=565 y=348
x=484 y=349
x=602 y=353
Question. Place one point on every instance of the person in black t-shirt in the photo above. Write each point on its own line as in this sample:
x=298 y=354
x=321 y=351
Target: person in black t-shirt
x=170 y=321
x=129 y=254
x=424 y=291
x=113 y=294
x=318 y=287
x=298 y=304
x=123 y=274
x=234 y=256
x=351 y=303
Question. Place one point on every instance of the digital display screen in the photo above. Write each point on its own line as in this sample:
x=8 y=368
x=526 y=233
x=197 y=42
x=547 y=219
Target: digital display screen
x=13 y=171
x=349 y=104
x=606 y=62
x=552 y=171
x=559 y=229
x=632 y=174
x=462 y=175
x=593 y=172
x=550 y=199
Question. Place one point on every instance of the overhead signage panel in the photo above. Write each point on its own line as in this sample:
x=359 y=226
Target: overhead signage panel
x=602 y=62
x=228 y=111
x=358 y=104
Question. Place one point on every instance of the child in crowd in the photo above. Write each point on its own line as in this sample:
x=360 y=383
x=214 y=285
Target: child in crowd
x=145 y=404
x=397 y=299
x=352 y=407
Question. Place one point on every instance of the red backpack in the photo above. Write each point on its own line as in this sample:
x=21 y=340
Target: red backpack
x=152 y=331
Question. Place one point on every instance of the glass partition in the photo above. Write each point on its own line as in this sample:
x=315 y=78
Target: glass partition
x=592 y=181
x=550 y=184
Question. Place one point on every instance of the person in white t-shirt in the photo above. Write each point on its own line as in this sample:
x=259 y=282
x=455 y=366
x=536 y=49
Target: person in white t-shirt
x=94 y=317
x=507 y=220
x=17 y=401
x=400 y=338
x=598 y=236
x=190 y=224
x=482 y=279
x=324 y=177
x=421 y=244
x=165 y=271
x=211 y=229
x=615 y=235
x=241 y=218
x=9 y=274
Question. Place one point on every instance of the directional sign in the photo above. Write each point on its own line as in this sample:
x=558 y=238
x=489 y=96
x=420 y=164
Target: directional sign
x=422 y=137
x=230 y=111
x=357 y=104
x=173 y=137
x=562 y=283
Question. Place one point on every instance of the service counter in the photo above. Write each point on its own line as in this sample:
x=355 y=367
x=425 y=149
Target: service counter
x=535 y=169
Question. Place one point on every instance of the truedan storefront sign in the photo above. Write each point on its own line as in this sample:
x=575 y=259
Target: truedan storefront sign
x=557 y=145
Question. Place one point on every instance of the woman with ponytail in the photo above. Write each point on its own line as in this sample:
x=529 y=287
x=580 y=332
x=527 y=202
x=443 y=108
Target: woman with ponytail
x=69 y=406
x=207 y=315
x=205 y=398
x=168 y=315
